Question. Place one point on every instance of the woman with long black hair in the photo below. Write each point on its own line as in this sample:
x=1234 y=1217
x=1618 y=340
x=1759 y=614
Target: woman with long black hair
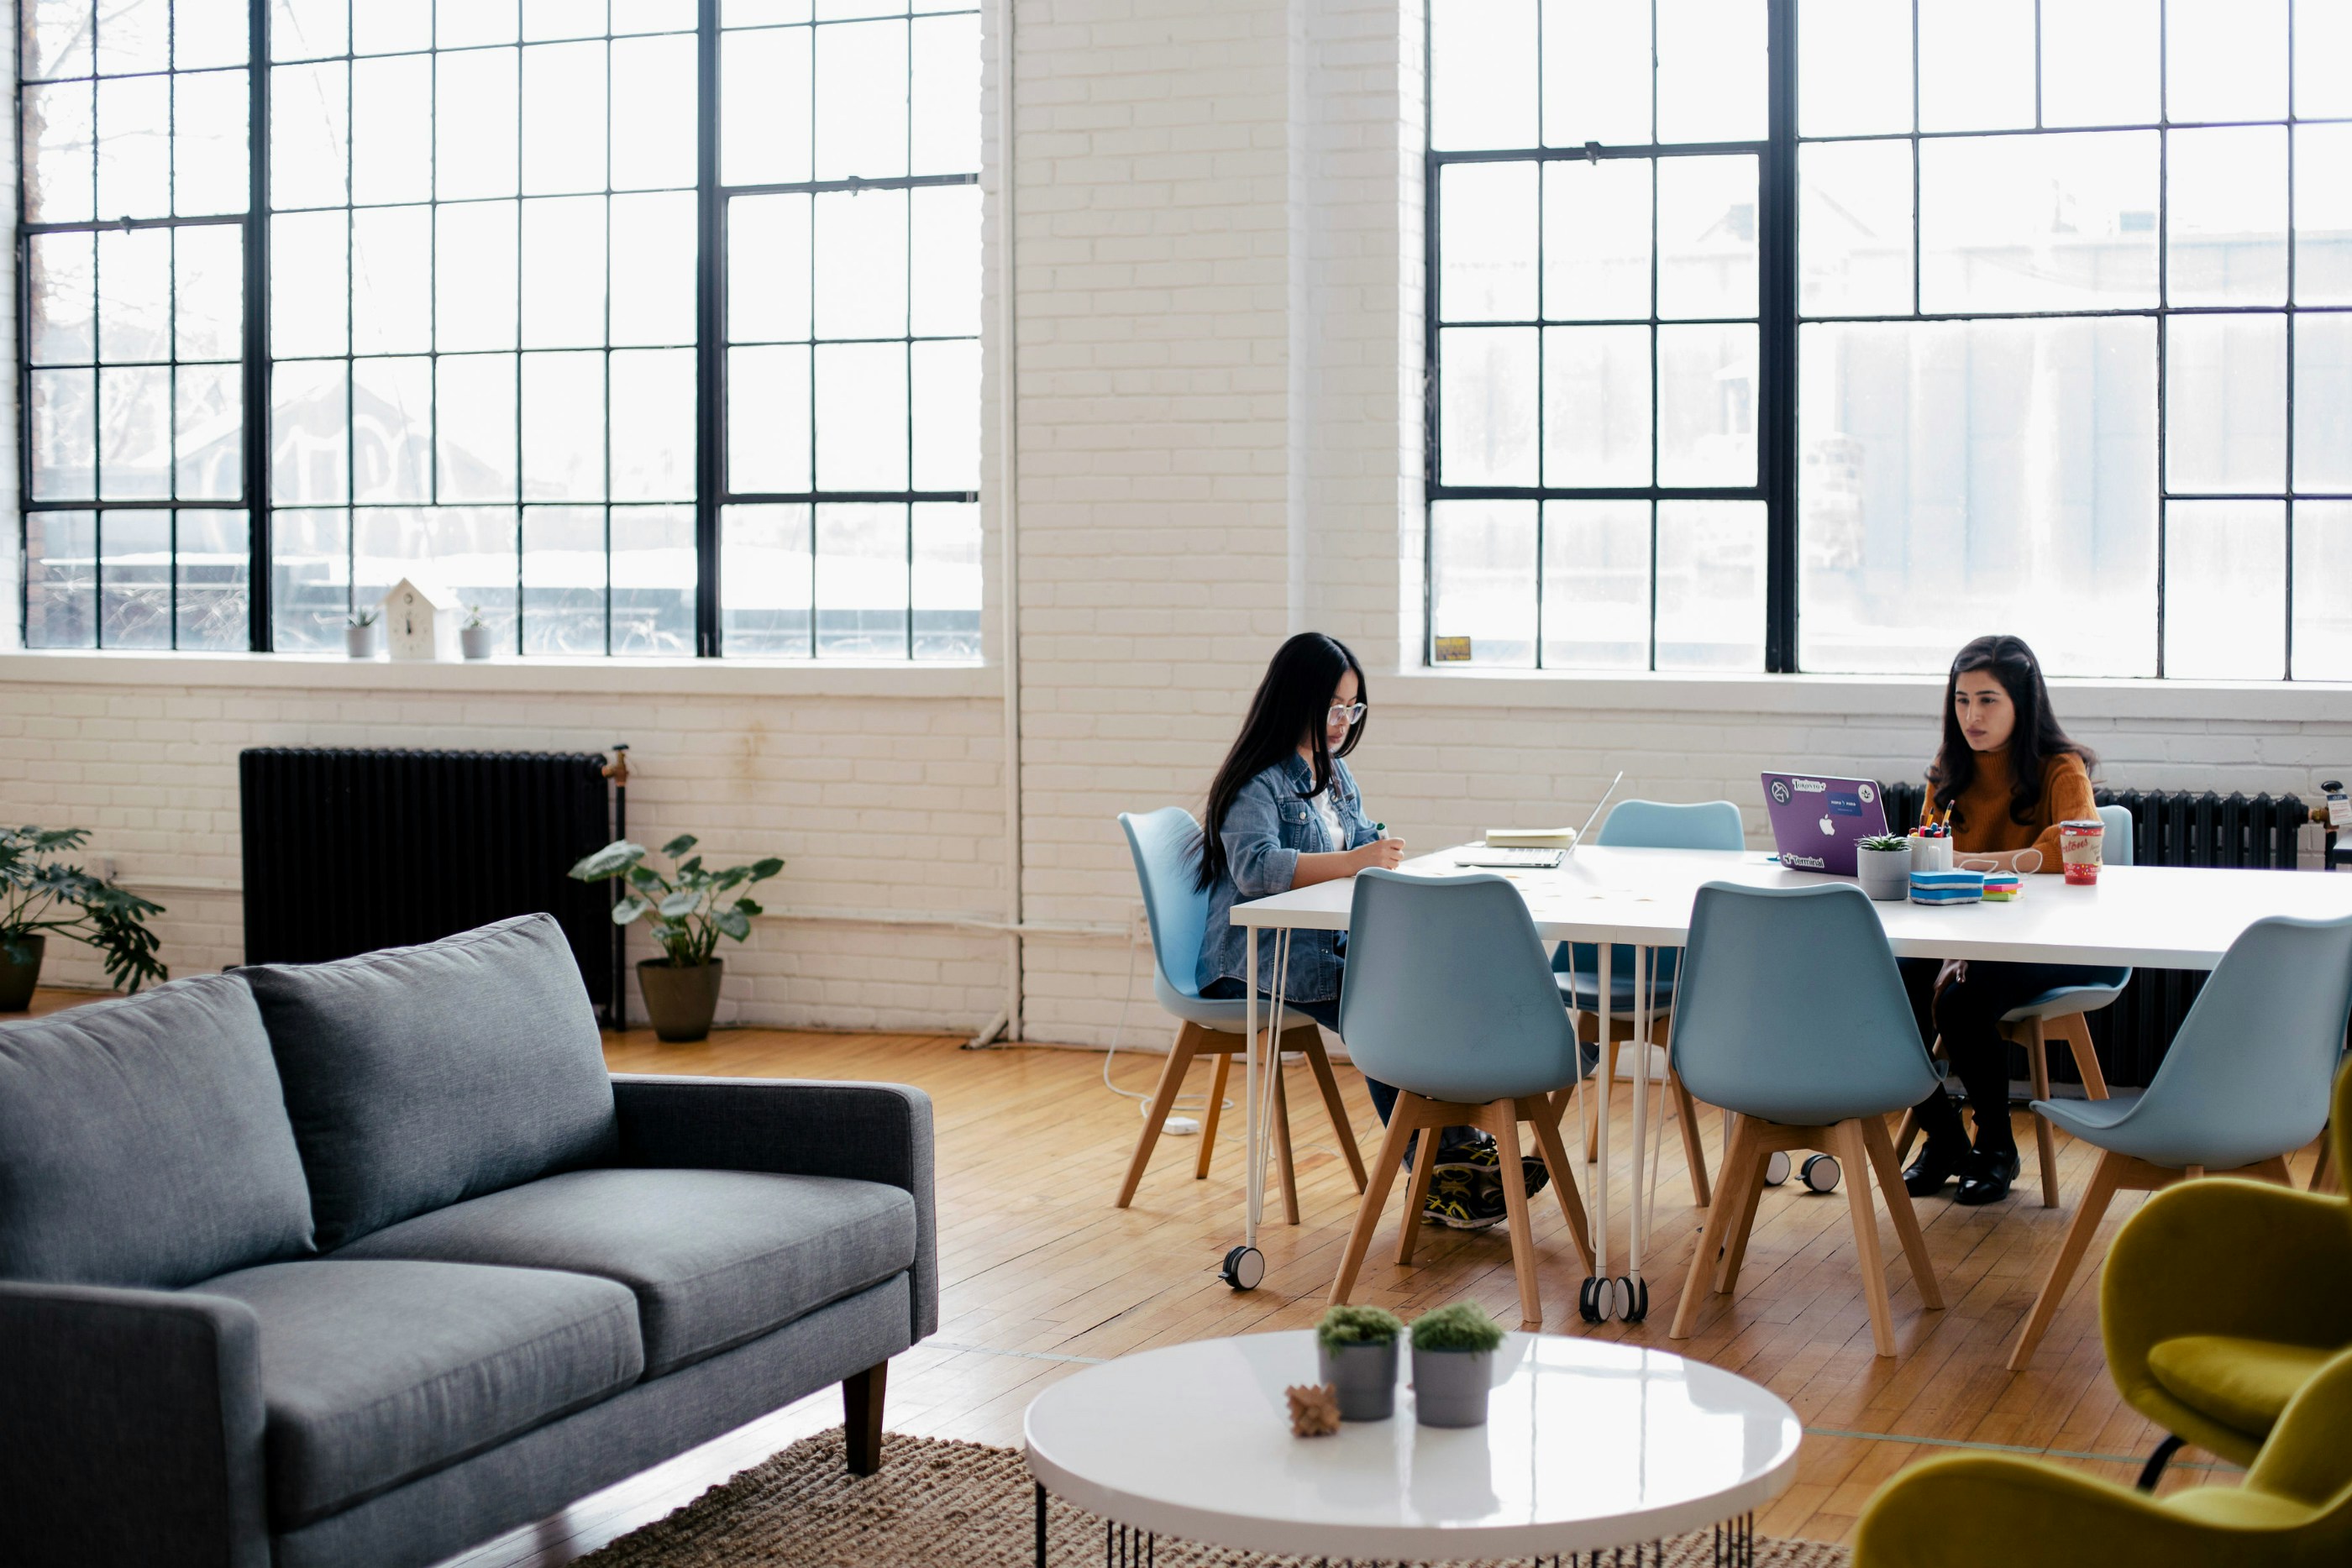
x=1283 y=813
x=2007 y=775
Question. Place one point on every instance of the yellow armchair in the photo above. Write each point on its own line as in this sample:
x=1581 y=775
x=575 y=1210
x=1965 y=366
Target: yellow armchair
x=2295 y=1510
x=2222 y=1297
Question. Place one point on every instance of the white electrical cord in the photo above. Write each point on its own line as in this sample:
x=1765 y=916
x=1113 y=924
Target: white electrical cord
x=1119 y=1038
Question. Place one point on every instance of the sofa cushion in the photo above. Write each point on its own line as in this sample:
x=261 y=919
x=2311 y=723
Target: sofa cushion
x=2241 y=1383
x=144 y=1141
x=373 y=1374
x=419 y=1076
x=715 y=1258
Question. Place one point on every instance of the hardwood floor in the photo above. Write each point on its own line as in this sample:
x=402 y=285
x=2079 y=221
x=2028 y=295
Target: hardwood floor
x=1041 y=1275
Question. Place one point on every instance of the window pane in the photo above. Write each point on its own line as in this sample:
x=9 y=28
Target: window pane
x=1710 y=585
x=308 y=159
x=208 y=433
x=946 y=66
x=2225 y=403
x=60 y=580
x=947 y=578
x=1711 y=70
x=2039 y=223
x=861 y=582
x=471 y=551
x=653 y=269
x=306 y=29
x=2322 y=58
x=1482 y=584
x=134 y=433
x=1488 y=215
x=134 y=148
x=861 y=100
x=2226 y=60
x=1976 y=64
x=309 y=293
x=309 y=456
x=134 y=294
x=209 y=173
x=209 y=277
x=474 y=123
x=1486 y=405
x=65 y=434
x=457 y=23
x=1596 y=406
x=2323 y=589
x=134 y=566
x=1596 y=604
x=64 y=283
x=1954 y=476
x=653 y=581
x=653 y=424
x=861 y=264
x=563 y=580
x=946 y=388
x=652 y=122
x=563 y=117
x=310 y=592
x=1706 y=405
x=1596 y=240
x=563 y=272
x=1854 y=228
x=58 y=39
x=392 y=130
x=474 y=274
x=768 y=269
x=765 y=585
x=945 y=288
x=767 y=420
x=2226 y=222
x=208 y=33
x=2323 y=402
x=390 y=26
x=474 y=434
x=563 y=426
x=2099 y=60
x=1596 y=73
x=1854 y=67
x=764 y=131
x=1482 y=74
x=60 y=134
x=1707 y=236
x=392 y=281
x=2225 y=590
x=392 y=429
x=212 y=608
x=861 y=418
x=2322 y=214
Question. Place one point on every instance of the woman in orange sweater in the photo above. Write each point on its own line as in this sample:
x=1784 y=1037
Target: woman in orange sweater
x=2008 y=775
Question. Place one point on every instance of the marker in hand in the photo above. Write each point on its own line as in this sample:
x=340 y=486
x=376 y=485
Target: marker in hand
x=1386 y=852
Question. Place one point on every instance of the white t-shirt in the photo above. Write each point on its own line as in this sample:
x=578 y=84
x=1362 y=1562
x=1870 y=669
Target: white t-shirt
x=1329 y=812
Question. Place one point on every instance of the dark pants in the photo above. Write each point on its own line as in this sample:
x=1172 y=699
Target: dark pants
x=1967 y=1014
x=1327 y=1013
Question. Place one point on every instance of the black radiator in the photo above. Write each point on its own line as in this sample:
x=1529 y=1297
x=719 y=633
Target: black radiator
x=348 y=851
x=2169 y=828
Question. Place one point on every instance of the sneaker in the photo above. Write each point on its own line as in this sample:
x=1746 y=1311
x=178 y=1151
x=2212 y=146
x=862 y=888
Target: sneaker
x=1460 y=1201
x=1480 y=1158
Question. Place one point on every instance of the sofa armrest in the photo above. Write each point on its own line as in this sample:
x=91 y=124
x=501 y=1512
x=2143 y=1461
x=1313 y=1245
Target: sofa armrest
x=869 y=1132
x=132 y=1425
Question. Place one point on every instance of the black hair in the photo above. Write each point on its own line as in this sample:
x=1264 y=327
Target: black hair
x=2036 y=738
x=1290 y=706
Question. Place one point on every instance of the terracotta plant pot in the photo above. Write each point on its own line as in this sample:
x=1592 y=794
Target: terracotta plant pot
x=1450 y=1387
x=18 y=980
x=1365 y=1377
x=680 y=1002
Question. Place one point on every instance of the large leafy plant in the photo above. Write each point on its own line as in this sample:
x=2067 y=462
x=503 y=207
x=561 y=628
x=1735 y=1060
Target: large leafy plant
x=39 y=896
x=690 y=909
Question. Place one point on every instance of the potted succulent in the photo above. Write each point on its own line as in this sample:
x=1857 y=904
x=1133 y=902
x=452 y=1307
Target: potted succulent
x=690 y=911
x=360 y=636
x=474 y=636
x=1356 y=1353
x=1883 y=862
x=1453 y=1364
x=38 y=896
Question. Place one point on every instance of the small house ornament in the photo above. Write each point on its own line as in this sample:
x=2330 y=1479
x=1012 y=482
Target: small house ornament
x=420 y=621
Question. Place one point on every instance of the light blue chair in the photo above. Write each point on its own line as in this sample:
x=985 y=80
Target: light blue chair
x=2246 y=1081
x=1646 y=825
x=1449 y=998
x=1793 y=1016
x=1165 y=844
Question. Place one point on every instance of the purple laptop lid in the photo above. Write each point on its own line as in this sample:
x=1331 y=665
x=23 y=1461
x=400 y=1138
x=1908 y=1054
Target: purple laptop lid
x=1817 y=821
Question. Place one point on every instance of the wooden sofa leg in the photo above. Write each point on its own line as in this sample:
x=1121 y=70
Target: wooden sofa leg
x=861 y=1417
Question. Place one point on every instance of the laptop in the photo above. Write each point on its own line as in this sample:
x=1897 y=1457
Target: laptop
x=1818 y=821
x=1516 y=857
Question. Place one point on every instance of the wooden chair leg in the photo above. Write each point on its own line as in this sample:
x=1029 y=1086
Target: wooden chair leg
x=1209 y=1117
x=1742 y=1225
x=2322 y=1176
x=1172 y=1079
x=1503 y=1120
x=1905 y=1129
x=1898 y=1205
x=1368 y=1207
x=2272 y=1169
x=1732 y=1178
x=2076 y=1030
x=1416 y=1193
x=1319 y=1060
x=2045 y=1140
x=1868 y=1257
x=1282 y=1158
x=1543 y=1115
x=2079 y=1232
x=1693 y=1151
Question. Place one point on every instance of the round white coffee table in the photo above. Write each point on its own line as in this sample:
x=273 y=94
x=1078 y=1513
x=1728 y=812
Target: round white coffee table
x=1588 y=1445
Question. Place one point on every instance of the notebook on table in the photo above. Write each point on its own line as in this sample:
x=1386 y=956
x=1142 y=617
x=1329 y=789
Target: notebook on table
x=1532 y=849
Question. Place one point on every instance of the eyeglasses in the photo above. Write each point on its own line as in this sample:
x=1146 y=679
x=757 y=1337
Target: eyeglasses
x=1347 y=714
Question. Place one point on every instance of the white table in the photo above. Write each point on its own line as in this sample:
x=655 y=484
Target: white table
x=2169 y=917
x=1588 y=1445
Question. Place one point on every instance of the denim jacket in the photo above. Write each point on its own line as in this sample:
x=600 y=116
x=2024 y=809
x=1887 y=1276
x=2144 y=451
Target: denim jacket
x=1269 y=825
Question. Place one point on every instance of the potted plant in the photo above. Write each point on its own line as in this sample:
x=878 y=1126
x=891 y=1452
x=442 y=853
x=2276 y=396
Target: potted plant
x=1453 y=1364
x=474 y=636
x=360 y=636
x=1883 y=862
x=38 y=896
x=1356 y=1353
x=690 y=911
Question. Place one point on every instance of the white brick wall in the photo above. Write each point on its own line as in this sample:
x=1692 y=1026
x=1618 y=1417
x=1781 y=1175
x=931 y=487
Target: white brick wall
x=1217 y=281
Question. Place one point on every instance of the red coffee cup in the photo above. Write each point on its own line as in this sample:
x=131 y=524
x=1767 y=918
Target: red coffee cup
x=2082 y=845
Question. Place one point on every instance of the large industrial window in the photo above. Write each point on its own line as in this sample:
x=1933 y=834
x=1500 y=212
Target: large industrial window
x=1826 y=334
x=463 y=311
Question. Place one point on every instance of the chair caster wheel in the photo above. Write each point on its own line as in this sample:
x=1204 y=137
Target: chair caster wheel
x=1776 y=1169
x=1820 y=1172
x=1243 y=1268
x=1632 y=1299
x=1595 y=1300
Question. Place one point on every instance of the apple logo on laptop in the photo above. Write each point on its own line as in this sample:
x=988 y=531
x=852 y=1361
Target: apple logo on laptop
x=1829 y=828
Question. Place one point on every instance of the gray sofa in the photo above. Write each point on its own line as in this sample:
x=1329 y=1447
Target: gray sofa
x=362 y=1263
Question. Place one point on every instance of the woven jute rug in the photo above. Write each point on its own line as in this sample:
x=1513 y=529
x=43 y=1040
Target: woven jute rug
x=955 y=1505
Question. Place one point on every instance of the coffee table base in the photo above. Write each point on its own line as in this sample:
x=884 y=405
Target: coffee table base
x=1125 y=1546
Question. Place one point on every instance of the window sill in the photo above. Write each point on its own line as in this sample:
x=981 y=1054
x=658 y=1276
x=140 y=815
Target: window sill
x=602 y=677
x=1901 y=696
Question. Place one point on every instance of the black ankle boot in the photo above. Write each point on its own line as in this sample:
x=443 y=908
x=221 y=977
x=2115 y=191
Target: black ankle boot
x=1985 y=1178
x=1941 y=1158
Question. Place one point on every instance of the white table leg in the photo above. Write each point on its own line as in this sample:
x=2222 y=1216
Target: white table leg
x=1602 y=1087
x=1253 y=1186
x=1643 y=960
x=1282 y=945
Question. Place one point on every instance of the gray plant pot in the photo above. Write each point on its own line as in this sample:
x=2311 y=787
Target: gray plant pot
x=360 y=641
x=1365 y=1375
x=1884 y=874
x=680 y=1002
x=475 y=641
x=1450 y=1387
x=18 y=980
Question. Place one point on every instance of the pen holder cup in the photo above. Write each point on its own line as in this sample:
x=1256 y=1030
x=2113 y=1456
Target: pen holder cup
x=1930 y=855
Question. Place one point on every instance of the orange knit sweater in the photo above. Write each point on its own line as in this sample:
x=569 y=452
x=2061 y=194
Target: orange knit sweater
x=1980 y=820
